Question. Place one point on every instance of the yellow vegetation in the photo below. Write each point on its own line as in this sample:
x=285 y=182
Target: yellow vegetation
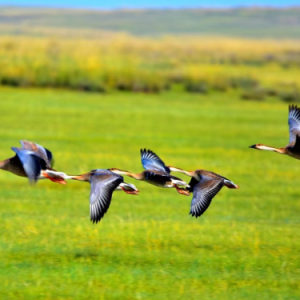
x=120 y=61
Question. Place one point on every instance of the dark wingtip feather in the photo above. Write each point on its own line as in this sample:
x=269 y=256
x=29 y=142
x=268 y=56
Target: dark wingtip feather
x=295 y=108
x=146 y=152
x=97 y=218
x=194 y=214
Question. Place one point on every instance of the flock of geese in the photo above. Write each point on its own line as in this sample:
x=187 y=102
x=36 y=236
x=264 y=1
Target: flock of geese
x=36 y=162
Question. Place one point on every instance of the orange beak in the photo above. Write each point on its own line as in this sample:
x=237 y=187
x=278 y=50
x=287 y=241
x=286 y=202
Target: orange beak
x=78 y=177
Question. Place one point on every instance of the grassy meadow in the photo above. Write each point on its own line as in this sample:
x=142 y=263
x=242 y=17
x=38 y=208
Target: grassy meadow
x=245 y=246
x=95 y=98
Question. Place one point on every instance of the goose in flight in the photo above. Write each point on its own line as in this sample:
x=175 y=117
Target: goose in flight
x=156 y=173
x=32 y=161
x=103 y=184
x=204 y=185
x=293 y=147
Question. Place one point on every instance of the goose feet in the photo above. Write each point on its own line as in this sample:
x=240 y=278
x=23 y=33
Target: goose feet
x=56 y=179
x=182 y=191
x=130 y=192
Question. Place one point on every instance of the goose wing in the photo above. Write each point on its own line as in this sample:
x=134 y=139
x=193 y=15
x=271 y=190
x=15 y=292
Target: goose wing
x=151 y=161
x=203 y=193
x=32 y=163
x=294 y=122
x=44 y=153
x=103 y=183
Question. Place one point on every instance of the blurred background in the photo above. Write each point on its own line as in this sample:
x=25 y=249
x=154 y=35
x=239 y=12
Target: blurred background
x=197 y=83
x=153 y=47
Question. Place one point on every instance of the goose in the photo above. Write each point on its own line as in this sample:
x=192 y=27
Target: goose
x=156 y=173
x=293 y=147
x=204 y=185
x=32 y=161
x=103 y=184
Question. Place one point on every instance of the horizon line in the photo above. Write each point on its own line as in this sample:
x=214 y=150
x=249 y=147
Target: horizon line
x=138 y=8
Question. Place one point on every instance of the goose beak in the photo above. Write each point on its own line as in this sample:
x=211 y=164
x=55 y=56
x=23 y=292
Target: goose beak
x=253 y=146
x=79 y=177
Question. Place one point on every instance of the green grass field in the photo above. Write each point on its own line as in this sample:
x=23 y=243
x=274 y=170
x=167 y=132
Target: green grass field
x=246 y=245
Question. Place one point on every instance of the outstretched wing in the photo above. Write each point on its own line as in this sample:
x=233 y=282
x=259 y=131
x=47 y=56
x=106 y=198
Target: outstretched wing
x=151 y=161
x=44 y=153
x=103 y=183
x=32 y=163
x=294 y=122
x=203 y=193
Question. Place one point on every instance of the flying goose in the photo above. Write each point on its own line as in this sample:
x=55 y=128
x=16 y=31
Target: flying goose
x=32 y=161
x=204 y=185
x=293 y=147
x=156 y=173
x=103 y=184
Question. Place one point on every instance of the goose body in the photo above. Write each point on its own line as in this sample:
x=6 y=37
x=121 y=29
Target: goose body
x=293 y=147
x=13 y=165
x=156 y=173
x=32 y=161
x=103 y=184
x=156 y=178
x=204 y=185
